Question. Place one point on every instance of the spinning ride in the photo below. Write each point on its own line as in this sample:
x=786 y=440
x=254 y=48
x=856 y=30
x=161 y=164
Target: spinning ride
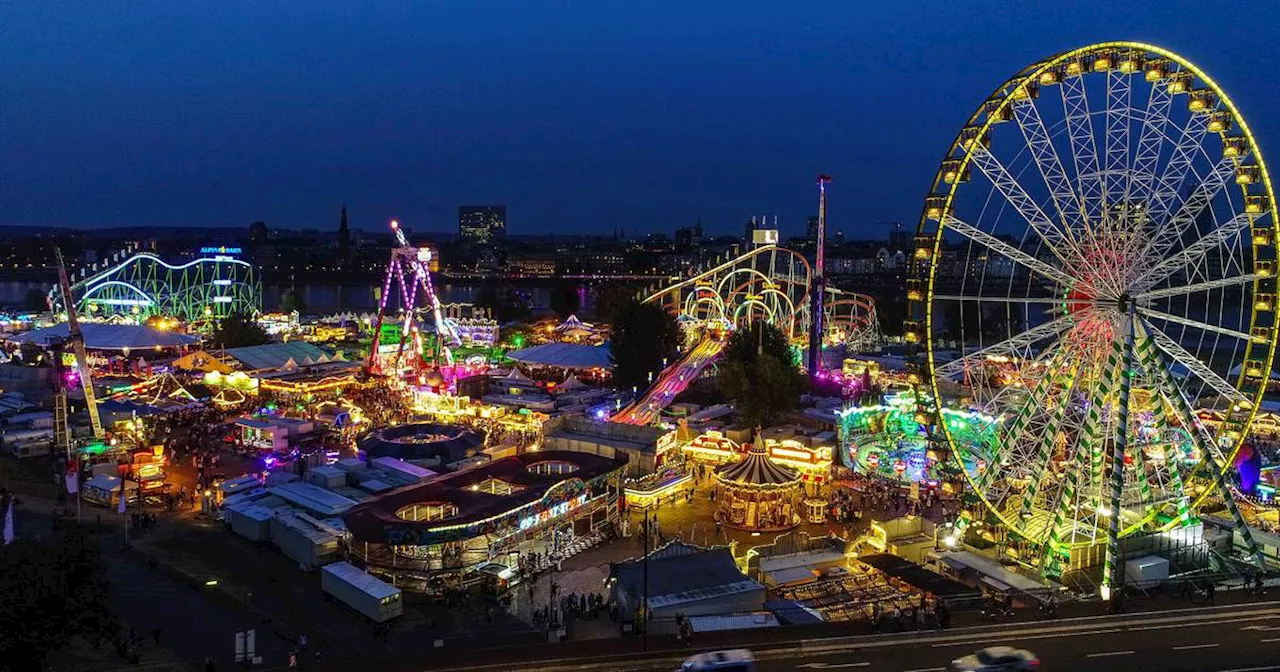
x=890 y=441
x=1100 y=238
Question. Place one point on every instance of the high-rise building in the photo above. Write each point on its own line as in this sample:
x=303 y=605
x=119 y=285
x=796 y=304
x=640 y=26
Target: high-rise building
x=811 y=227
x=482 y=224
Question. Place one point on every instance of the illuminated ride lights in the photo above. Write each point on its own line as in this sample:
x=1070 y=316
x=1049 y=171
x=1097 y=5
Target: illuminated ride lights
x=138 y=286
x=890 y=441
x=417 y=263
x=768 y=283
x=1124 y=278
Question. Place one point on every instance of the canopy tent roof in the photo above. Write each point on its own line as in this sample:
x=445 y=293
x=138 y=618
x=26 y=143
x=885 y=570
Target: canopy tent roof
x=101 y=336
x=278 y=355
x=758 y=470
x=565 y=356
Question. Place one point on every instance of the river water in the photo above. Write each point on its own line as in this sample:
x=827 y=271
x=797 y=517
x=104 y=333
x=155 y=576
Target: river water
x=338 y=297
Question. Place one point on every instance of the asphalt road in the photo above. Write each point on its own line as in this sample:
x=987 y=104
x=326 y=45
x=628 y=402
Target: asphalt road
x=1189 y=640
x=1235 y=638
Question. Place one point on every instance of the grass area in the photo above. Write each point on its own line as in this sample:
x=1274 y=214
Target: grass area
x=32 y=476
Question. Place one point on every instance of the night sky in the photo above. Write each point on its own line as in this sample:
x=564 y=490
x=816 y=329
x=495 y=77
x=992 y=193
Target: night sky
x=579 y=116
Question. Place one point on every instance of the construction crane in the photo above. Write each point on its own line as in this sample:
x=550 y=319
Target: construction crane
x=76 y=340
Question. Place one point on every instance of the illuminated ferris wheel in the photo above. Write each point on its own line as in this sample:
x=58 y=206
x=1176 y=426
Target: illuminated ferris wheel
x=1096 y=263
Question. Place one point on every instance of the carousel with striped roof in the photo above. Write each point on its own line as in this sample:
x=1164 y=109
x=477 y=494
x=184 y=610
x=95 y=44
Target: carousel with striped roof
x=758 y=494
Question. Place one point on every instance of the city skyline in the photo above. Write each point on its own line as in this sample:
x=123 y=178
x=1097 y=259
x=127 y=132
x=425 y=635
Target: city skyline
x=715 y=114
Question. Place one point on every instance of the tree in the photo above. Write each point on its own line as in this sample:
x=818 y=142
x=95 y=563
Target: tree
x=291 y=300
x=516 y=336
x=643 y=336
x=238 y=330
x=564 y=299
x=49 y=591
x=503 y=303
x=35 y=300
x=609 y=296
x=974 y=320
x=758 y=369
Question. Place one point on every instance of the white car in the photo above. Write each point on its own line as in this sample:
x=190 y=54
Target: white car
x=997 y=659
x=734 y=660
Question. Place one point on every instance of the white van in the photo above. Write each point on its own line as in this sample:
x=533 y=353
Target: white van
x=734 y=660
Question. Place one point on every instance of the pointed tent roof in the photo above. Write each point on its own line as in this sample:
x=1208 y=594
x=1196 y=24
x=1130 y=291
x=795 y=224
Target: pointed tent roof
x=572 y=322
x=758 y=470
x=516 y=377
x=571 y=383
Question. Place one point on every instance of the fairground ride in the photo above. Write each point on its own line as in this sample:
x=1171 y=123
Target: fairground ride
x=1100 y=237
x=769 y=283
x=64 y=379
x=890 y=440
x=418 y=305
x=136 y=286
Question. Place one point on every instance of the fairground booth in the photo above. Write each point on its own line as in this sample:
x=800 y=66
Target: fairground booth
x=444 y=532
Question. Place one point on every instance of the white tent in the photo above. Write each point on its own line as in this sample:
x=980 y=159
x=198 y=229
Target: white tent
x=571 y=383
x=516 y=377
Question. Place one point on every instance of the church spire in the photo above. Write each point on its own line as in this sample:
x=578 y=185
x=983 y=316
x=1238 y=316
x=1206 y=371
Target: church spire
x=344 y=238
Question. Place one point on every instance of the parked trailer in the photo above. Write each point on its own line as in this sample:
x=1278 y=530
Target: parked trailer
x=28 y=442
x=377 y=600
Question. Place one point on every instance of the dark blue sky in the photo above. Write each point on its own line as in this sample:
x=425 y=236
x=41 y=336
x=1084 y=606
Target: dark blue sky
x=578 y=115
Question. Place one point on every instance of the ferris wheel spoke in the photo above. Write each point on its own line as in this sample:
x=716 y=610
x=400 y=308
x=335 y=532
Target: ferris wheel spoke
x=1060 y=242
x=1168 y=235
x=1196 y=287
x=1048 y=434
x=995 y=244
x=1046 y=158
x=1175 y=172
x=1213 y=456
x=1186 y=321
x=1182 y=408
x=1065 y=199
x=1194 y=252
x=1118 y=117
x=1017 y=344
x=1011 y=449
x=1075 y=106
x=1193 y=364
x=1050 y=300
x=1150 y=141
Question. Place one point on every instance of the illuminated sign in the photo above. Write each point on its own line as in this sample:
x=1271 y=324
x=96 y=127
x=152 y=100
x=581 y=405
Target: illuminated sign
x=220 y=250
x=121 y=302
x=222 y=283
x=223 y=299
x=764 y=236
x=553 y=512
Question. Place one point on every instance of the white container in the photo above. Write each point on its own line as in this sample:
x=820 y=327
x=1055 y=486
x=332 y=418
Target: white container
x=376 y=599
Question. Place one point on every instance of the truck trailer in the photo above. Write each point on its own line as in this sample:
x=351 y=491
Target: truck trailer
x=377 y=600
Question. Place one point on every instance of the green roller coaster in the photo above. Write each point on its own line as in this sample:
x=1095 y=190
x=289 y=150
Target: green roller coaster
x=142 y=285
